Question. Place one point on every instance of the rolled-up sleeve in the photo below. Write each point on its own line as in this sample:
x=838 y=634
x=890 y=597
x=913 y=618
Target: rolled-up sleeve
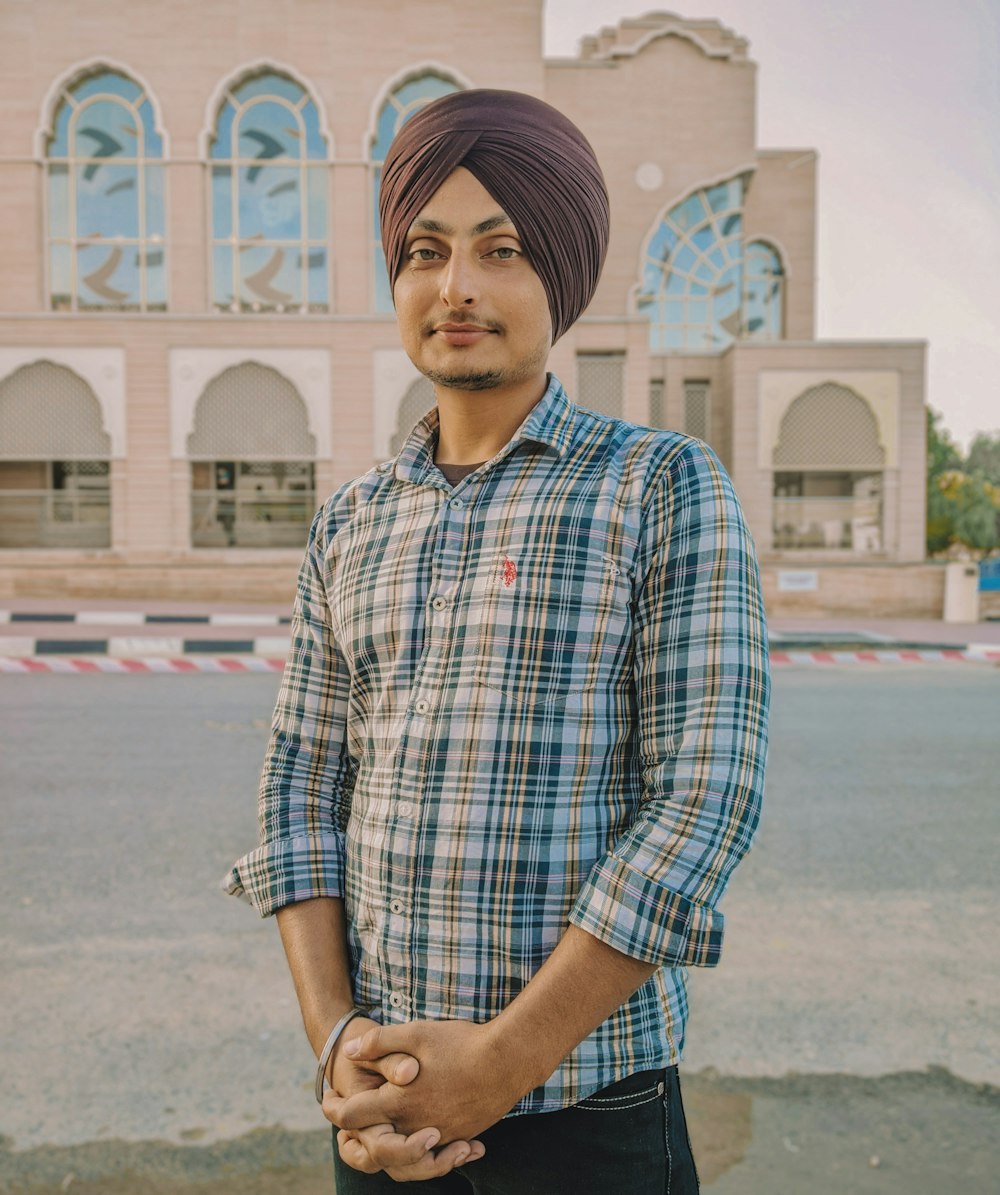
x=702 y=695
x=308 y=775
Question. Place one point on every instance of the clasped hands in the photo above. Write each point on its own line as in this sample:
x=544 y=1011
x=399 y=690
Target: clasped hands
x=398 y=1092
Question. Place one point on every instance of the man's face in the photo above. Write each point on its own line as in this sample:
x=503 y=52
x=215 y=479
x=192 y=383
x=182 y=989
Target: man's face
x=472 y=312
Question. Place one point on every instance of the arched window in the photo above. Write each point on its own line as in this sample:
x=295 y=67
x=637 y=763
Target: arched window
x=691 y=288
x=401 y=104
x=54 y=461
x=252 y=462
x=104 y=199
x=269 y=179
x=763 y=292
x=829 y=466
x=413 y=406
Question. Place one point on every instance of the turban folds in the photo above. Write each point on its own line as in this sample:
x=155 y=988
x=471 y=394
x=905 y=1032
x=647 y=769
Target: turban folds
x=534 y=162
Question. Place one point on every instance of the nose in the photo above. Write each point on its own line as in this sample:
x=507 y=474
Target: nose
x=459 y=287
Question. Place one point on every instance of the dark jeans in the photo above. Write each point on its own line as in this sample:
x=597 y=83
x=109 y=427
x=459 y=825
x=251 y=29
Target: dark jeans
x=629 y=1139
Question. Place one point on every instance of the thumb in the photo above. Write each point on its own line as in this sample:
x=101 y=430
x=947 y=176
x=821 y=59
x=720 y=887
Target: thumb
x=397 y=1068
x=377 y=1042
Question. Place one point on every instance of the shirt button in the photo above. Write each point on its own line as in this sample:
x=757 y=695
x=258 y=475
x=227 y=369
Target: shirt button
x=456 y=504
x=396 y=1000
x=405 y=809
x=422 y=706
x=439 y=603
x=396 y=906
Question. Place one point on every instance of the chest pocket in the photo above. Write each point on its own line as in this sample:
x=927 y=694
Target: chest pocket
x=553 y=623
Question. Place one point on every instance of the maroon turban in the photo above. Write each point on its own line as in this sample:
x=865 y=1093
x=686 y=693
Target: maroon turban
x=534 y=162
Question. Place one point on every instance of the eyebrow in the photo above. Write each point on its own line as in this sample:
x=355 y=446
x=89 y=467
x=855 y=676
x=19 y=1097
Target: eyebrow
x=497 y=221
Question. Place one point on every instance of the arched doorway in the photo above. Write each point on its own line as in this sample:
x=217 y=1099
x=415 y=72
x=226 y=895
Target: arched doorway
x=54 y=461
x=252 y=462
x=828 y=473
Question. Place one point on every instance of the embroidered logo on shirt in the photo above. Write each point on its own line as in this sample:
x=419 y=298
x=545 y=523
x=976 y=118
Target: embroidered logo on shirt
x=509 y=572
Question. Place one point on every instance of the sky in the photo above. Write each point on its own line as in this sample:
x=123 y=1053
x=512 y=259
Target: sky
x=901 y=98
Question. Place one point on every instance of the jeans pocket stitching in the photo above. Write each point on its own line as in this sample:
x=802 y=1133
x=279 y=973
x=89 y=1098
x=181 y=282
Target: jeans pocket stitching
x=620 y=1102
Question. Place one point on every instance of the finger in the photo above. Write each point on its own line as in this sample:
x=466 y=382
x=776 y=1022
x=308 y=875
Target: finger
x=377 y=1042
x=397 y=1068
x=435 y=1165
x=332 y=1104
x=362 y=1109
x=385 y=1147
x=354 y=1154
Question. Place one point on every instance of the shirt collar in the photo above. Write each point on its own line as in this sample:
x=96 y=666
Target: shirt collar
x=550 y=422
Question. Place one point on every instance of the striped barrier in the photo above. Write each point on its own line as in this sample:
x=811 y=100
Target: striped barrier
x=123 y=665
x=131 y=618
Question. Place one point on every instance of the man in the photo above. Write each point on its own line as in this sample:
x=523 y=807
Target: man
x=519 y=744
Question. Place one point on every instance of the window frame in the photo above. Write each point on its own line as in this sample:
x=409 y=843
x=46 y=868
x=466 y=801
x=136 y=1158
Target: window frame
x=313 y=161
x=149 y=158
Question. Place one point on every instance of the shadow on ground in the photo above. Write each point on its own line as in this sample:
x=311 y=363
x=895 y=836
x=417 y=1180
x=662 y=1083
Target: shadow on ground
x=903 y=1134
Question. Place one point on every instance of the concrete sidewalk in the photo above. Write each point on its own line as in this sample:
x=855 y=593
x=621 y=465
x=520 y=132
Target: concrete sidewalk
x=888 y=630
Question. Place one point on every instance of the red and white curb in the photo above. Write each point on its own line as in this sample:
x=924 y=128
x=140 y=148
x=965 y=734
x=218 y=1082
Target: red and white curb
x=121 y=666
x=116 y=665
x=971 y=654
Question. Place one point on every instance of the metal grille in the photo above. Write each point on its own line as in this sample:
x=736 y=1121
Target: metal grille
x=657 y=403
x=55 y=504
x=829 y=427
x=251 y=412
x=81 y=469
x=413 y=406
x=47 y=412
x=600 y=382
x=696 y=409
x=251 y=504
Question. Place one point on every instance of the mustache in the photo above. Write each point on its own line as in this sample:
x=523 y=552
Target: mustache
x=462 y=317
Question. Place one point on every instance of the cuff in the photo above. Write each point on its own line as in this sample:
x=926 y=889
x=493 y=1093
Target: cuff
x=289 y=870
x=639 y=917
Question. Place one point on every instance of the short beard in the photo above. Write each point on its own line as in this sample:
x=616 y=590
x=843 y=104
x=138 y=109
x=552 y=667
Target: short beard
x=489 y=379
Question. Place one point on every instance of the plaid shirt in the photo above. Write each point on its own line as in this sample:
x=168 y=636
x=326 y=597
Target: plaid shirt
x=535 y=699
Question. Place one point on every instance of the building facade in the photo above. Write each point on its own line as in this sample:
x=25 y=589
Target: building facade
x=196 y=333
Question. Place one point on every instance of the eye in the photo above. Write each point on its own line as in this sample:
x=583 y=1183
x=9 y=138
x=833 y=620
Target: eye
x=505 y=252
x=423 y=254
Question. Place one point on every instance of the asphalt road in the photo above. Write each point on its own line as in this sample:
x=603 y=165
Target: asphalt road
x=847 y=1043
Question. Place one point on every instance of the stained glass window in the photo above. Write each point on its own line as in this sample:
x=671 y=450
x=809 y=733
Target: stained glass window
x=692 y=278
x=269 y=181
x=407 y=99
x=105 y=209
x=763 y=292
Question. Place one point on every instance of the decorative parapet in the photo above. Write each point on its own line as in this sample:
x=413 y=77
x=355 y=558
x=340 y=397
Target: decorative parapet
x=633 y=34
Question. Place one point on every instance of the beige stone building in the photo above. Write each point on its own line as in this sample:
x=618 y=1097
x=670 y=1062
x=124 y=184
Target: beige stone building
x=196 y=336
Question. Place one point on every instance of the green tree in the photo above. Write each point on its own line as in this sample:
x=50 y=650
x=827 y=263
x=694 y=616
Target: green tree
x=943 y=458
x=969 y=510
x=984 y=457
x=943 y=454
x=963 y=496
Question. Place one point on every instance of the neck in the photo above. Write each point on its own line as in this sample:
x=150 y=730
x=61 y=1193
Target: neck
x=475 y=424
